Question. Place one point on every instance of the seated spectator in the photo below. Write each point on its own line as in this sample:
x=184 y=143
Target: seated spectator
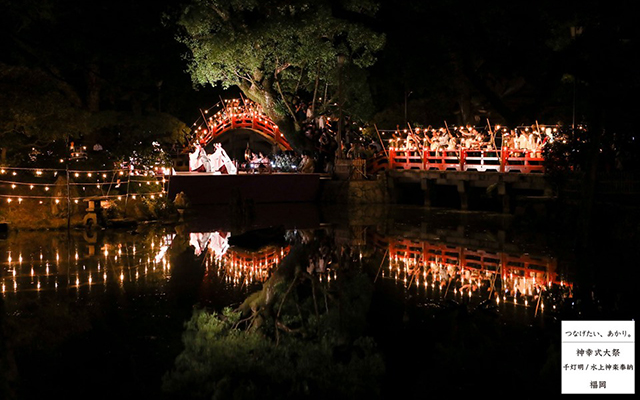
x=307 y=165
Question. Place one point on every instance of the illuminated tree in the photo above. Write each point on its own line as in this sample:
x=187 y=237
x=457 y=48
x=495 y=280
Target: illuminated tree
x=279 y=52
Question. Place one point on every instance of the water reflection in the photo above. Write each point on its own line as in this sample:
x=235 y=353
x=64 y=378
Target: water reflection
x=82 y=261
x=444 y=271
x=150 y=278
x=237 y=266
x=432 y=270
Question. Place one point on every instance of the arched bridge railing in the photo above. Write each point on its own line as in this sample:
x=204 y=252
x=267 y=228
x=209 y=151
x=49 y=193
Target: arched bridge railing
x=238 y=114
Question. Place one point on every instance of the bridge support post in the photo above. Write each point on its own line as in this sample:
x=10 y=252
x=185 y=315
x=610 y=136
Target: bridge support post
x=463 y=192
x=427 y=187
x=505 y=195
x=392 y=190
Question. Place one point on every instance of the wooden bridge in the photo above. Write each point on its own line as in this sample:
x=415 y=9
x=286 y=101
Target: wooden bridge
x=500 y=160
x=503 y=172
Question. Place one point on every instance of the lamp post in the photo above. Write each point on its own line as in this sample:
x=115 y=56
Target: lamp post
x=341 y=60
x=407 y=93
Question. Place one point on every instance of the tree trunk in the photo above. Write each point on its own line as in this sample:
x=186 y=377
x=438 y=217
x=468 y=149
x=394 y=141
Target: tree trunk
x=265 y=96
x=315 y=94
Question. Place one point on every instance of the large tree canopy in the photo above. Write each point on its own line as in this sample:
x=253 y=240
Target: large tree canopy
x=279 y=52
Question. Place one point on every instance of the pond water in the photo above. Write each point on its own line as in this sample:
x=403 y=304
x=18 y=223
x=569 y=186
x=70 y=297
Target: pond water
x=102 y=313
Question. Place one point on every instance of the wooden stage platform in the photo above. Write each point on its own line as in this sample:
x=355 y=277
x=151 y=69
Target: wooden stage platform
x=210 y=188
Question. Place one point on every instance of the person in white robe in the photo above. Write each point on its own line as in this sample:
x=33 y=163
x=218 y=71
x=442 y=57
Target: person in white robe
x=198 y=160
x=219 y=243
x=522 y=141
x=199 y=241
x=221 y=162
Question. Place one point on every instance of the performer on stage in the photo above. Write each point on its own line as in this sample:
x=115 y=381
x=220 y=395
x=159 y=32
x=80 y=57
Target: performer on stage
x=220 y=161
x=198 y=160
x=247 y=154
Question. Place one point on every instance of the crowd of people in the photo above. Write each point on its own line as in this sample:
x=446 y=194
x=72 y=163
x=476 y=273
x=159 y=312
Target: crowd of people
x=469 y=138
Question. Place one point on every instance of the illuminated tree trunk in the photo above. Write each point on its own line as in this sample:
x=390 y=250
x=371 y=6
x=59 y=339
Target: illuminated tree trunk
x=266 y=97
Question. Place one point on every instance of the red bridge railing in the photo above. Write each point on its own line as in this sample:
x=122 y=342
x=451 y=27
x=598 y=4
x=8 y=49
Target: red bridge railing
x=238 y=114
x=248 y=121
x=504 y=160
x=419 y=256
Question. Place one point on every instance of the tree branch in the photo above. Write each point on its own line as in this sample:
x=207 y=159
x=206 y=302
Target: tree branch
x=282 y=68
x=286 y=103
x=223 y=15
x=284 y=99
x=299 y=79
x=285 y=296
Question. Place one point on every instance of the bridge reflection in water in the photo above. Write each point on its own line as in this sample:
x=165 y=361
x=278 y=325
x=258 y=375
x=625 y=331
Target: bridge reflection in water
x=431 y=270
x=443 y=271
x=236 y=266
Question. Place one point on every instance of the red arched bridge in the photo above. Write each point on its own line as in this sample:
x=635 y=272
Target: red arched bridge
x=238 y=114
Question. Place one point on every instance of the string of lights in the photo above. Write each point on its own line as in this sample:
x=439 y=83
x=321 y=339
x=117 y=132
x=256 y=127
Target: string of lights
x=103 y=182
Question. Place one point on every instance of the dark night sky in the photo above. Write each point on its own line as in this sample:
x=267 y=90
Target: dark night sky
x=430 y=50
